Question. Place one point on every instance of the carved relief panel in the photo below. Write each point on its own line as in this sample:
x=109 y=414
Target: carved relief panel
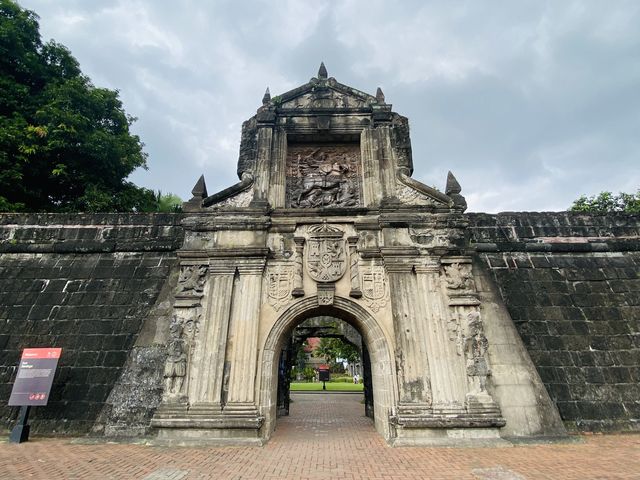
x=280 y=280
x=326 y=253
x=323 y=175
x=374 y=286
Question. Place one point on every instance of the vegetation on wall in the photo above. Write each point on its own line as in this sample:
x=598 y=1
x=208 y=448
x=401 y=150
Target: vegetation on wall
x=606 y=202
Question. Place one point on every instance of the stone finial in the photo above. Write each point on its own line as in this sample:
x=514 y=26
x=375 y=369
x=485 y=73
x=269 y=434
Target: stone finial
x=452 y=185
x=322 y=72
x=200 y=188
x=267 y=97
x=453 y=190
x=379 y=95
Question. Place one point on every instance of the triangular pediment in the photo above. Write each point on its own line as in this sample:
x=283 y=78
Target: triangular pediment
x=323 y=94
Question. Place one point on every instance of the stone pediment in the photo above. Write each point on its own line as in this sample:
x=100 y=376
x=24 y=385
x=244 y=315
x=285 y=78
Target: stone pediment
x=332 y=96
x=323 y=93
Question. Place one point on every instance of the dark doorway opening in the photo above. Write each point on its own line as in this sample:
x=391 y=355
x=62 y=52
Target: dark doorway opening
x=321 y=342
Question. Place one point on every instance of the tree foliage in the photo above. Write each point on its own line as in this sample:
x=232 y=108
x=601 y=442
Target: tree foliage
x=606 y=202
x=332 y=348
x=65 y=144
x=168 y=202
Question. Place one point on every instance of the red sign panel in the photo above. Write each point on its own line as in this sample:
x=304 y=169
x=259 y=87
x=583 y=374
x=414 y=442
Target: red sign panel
x=35 y=376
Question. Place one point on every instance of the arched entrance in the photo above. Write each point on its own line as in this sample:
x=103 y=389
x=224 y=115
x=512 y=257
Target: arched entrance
x=384 y=390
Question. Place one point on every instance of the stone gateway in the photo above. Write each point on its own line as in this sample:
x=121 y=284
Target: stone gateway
x=471 y=326
x=327 y=221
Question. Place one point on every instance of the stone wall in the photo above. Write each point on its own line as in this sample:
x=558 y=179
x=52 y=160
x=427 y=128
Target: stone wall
x=571 y=283
x=88 y=284
x=85 y=283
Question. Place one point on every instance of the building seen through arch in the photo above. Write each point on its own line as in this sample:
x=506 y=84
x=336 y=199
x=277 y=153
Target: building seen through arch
x=326 y=221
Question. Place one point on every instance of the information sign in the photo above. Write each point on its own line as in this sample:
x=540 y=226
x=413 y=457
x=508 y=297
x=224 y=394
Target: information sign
x=35 y=377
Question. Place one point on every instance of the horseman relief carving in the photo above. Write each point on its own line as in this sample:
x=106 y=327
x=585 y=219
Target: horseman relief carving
x=323 y=176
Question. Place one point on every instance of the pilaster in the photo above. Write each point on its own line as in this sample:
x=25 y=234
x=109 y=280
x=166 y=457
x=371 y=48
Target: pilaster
x=445 y=361
x=263 y=161
x=243 y=336
x=414 y=382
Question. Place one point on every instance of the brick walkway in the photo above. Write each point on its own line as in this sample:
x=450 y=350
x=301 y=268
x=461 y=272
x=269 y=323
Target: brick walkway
x=326 y=437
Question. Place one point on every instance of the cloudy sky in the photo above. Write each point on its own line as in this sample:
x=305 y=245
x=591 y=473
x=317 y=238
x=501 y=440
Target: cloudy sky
x=529 y=103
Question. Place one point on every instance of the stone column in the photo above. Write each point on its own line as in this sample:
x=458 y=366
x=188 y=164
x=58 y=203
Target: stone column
x=263 y=160
x=370 y=169
x=356 y=291
x=207 y=368
x=447 y=372
x=414 y=382
x=278 y=169
x=298 y=286
x=385 y=161
x=243 y=336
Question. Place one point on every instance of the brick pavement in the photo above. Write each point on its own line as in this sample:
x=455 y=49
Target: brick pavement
x=326 y=437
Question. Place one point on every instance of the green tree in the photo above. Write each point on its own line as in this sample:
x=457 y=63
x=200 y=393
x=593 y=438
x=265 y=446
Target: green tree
x=168 y=202
x=331 y=348
x=65 y=145
x=606 y=202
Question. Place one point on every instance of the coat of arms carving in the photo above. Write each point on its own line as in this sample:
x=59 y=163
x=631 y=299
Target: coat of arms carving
x=374 y=287
x=279 y=280
x=326 y=253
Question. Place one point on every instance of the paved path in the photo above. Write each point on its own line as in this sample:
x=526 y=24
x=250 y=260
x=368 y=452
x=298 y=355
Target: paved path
x=326 y=437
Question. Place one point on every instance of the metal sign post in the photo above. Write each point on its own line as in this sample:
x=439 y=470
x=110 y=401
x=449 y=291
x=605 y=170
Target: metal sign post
x=32 y=386
x=324 y=376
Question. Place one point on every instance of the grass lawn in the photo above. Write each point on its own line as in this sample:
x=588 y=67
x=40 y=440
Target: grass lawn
x=331 y=387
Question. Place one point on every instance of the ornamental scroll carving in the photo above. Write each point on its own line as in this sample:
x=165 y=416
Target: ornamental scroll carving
x=326 y=253
x=192 y=279
x=321 y=176
x=279 y=285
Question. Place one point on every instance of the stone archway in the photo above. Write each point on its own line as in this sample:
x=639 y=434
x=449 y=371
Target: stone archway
x=378 y=345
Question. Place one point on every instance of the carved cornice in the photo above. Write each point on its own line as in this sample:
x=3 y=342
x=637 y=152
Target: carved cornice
x=260 y=252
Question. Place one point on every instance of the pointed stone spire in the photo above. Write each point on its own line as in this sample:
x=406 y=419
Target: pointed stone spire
x=379 y=95
x=453 y=190
x=452 y=185
x=200 y=188
x=267 y=97
x=322 y=72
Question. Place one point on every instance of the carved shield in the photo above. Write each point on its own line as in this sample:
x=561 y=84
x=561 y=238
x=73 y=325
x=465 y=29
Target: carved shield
x=373 y=286
x=279 y=283
x=326 y=253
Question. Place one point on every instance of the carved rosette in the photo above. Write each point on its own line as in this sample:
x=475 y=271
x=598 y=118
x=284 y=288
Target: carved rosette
x=326 y=253
x=279 y=285
x=374 y=287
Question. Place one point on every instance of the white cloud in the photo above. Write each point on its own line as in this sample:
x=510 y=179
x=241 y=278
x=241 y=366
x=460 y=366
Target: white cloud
x=529 y=103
